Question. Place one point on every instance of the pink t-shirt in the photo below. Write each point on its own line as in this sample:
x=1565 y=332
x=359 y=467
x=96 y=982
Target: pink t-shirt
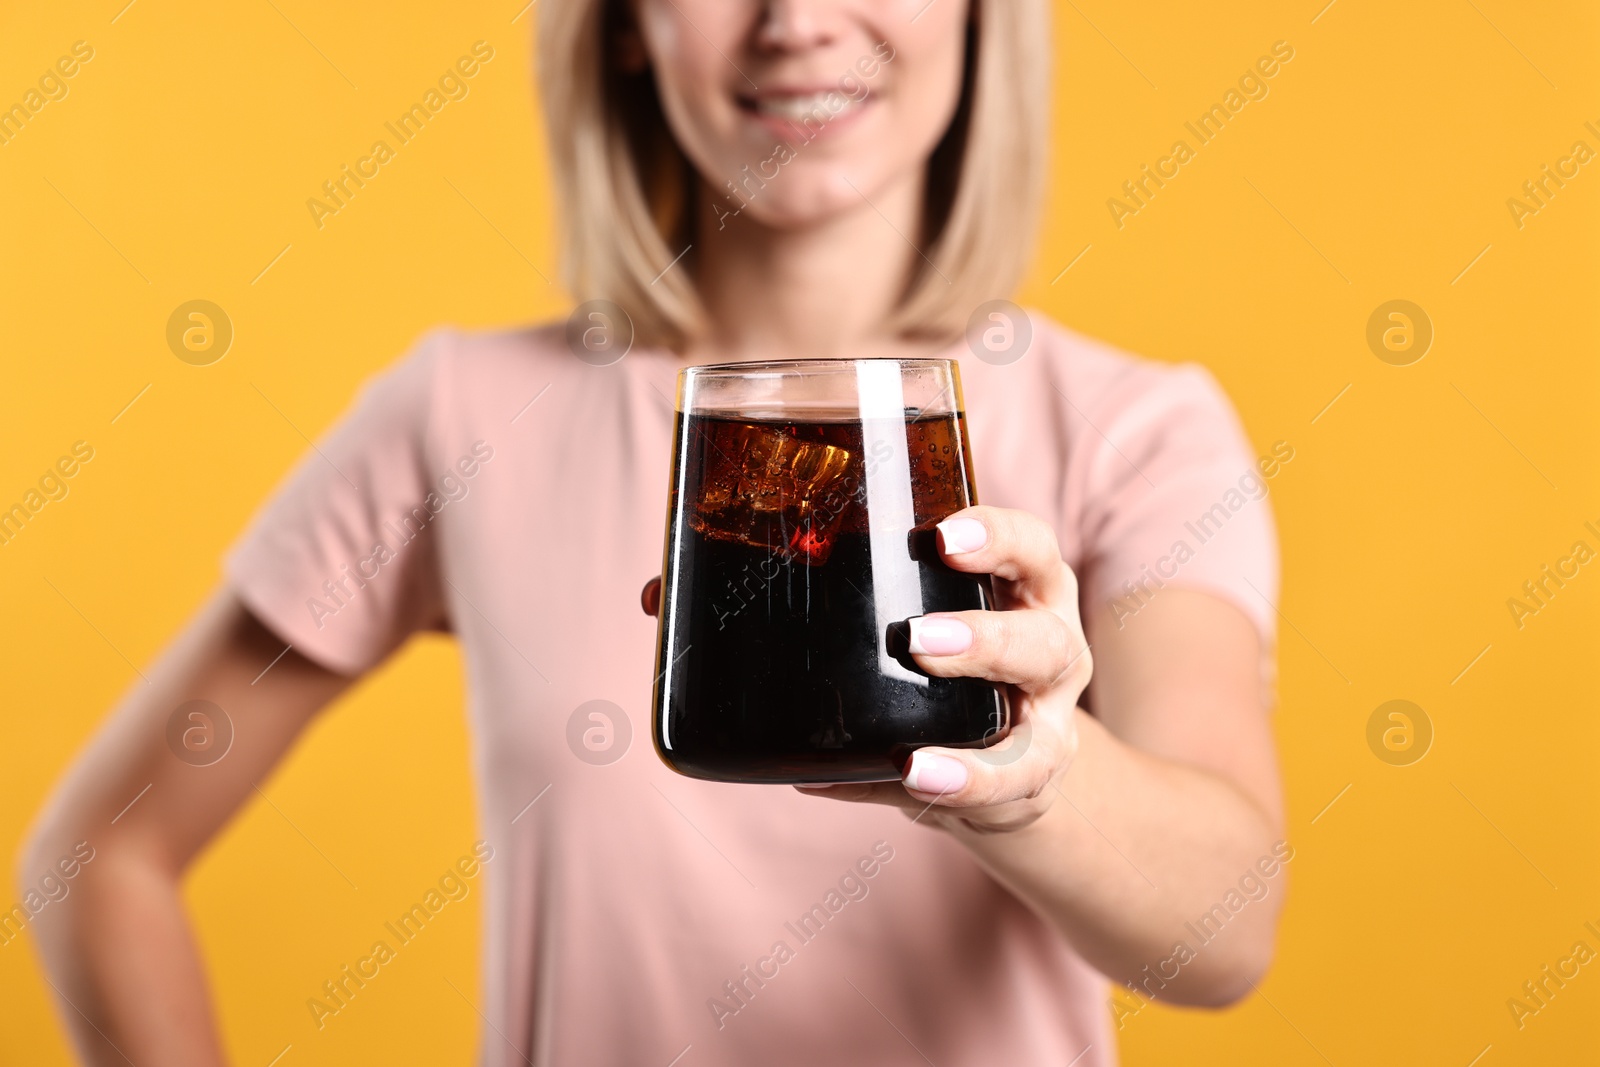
x=499 y=488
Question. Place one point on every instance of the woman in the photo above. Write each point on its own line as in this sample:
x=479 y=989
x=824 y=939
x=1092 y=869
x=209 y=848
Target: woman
x=753 y=180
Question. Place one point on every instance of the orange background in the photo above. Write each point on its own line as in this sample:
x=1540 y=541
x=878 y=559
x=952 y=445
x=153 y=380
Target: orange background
x=1378 y=167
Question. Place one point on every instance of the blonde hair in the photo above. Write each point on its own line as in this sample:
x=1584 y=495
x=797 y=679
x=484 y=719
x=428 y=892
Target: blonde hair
x=625 y=187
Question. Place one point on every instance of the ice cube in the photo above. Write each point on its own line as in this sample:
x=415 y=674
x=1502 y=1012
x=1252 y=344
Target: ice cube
x=769 y=490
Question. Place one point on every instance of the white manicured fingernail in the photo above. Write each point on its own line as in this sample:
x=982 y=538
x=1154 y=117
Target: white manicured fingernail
x=933 y=635
x=930 y=773
x=962 y=535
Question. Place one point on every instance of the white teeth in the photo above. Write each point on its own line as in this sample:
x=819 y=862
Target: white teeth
x=823 y=106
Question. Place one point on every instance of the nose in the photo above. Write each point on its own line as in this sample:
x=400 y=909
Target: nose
x=794 y=25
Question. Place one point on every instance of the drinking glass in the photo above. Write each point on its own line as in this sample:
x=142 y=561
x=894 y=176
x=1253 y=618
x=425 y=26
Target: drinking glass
x=800 y=540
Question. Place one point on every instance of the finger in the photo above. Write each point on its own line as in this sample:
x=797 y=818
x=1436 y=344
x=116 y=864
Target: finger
x=967 y=778
x=1017 y=546
x=886 y=794
x=892 y=794
x=650 y=596
x=1031 y=648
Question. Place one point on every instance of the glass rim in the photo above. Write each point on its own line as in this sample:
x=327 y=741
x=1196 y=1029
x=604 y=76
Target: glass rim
x=779 y=366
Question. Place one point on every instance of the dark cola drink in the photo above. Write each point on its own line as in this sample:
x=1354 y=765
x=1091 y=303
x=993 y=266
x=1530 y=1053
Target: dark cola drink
x=796 y=550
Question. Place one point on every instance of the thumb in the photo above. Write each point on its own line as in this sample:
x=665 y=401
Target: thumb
x=1018 y=768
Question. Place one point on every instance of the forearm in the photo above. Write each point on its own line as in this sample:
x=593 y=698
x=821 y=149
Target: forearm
x=1132 y=855
x=123 y=962
x=117 y=947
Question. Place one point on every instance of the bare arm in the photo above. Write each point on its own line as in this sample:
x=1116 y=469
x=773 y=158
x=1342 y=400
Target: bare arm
x=1171 y=800
x=1125 y=828
x=118 y=948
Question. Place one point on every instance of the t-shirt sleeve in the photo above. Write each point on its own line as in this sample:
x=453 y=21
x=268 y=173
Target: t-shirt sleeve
x=343 y=561
x=1178 y=498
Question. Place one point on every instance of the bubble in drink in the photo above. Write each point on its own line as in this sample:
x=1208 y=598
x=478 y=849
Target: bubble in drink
x=769 y=489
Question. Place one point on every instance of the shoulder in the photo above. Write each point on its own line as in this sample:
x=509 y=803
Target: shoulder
x=1098 y=378
x=451 y=370
x=451 y=351
x=1106 y=407
x=1160 y=476
x=455 y=350
x=547 y=351
x=456 y=385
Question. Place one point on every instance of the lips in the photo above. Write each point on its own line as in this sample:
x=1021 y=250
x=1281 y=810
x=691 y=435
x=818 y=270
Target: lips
x=797 y=107
x=804 y=113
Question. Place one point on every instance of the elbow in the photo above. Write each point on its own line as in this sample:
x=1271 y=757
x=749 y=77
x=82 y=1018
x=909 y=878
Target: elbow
x=30 y=855
x=50 y=826
x=1227 y=977
x=1215 y=973
x=49 y=902
x=51 y=855
x=1232 y=961
x=26 y=864
x=1230 y=984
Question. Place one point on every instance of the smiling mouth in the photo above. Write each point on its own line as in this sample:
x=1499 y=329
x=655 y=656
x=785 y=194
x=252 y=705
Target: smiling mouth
x=825 y=105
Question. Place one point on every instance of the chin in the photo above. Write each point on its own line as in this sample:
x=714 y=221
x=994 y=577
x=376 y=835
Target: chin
x=794 y=217
x=796 y=202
